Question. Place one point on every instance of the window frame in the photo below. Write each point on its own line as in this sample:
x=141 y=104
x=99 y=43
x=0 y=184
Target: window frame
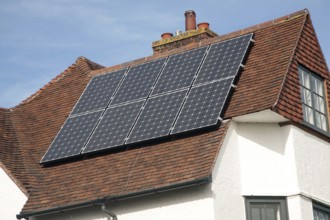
x=312 y=88
x=321 y=208
x=249 y=200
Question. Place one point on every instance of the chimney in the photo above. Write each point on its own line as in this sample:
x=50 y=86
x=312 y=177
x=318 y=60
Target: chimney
x=191 y=35
x=190 y=20
x=166 y=35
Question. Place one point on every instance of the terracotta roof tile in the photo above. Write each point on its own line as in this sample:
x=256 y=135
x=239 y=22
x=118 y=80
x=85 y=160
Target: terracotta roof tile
x=266 y=67
x=126 y=171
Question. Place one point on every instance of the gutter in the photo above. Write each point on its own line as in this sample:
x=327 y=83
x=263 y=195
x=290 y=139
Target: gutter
x=103 y=200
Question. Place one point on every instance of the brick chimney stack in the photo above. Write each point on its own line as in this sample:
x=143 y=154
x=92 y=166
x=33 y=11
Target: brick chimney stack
x=190 y=20
x=190 y=36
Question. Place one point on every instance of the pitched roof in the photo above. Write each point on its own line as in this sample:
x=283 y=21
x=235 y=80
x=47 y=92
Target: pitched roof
x=265 y=83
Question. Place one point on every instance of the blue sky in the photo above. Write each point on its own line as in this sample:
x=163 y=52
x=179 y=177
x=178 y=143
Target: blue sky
x=39 y=39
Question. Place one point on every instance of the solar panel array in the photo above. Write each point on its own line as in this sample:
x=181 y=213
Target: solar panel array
x=167 y=96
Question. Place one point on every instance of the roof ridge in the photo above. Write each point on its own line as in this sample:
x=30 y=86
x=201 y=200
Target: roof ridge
x=272 y=22
x=79 y=61
x=205 y=42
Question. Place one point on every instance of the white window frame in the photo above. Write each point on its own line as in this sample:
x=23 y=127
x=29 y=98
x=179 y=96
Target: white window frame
x=314 y=102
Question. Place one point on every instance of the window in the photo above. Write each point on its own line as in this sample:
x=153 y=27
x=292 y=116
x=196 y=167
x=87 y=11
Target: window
x=313 y=99
x=266 y=208
x=321 y=212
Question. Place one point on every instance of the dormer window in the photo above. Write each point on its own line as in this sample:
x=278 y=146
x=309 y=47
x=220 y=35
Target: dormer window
x=313 y=99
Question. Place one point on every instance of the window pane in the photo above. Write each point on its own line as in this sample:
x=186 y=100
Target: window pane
x=271 y=214
x=305 y=79
x=308 y=114
x=307 y=97
x=256 y=213
x=319 y=103
x=324 y=124
x=321 y=216
x=315 y=215
x=318 y=86
x=318 y=119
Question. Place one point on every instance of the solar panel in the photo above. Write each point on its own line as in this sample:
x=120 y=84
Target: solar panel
x=114 y=127
x=138 y=81
x=223 y=59
x=72 y=137
x=179 y=71
x=157 y=117
x=98 y=92
x=203 y=106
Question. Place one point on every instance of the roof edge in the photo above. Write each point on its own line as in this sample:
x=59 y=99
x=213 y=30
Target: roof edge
x=79 y=61
x=273 y=108
x=18 y=183
x=201 y=181
x=204 y=42
x=6 y=169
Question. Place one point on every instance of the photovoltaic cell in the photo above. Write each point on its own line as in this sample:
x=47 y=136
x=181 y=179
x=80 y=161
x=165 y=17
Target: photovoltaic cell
x=72 y=137
x=99 y=91
x=203 y=106
x=138 y=82
x=157 y=117
x=114 y=127
x=223 y=59
x=179 y=71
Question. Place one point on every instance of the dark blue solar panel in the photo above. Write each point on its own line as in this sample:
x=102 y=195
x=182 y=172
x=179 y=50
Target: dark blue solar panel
x=157 y=117
x=203 y=106
x=98 y=92
x=114 y=127
x=223 y=59
x=179 y=71
x=152 y=100
x=72 y=137
x=138 y=81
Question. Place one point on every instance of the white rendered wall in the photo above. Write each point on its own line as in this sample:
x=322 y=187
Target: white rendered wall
x=267 y=159
x=11 y=197
x=228 y=199
x=313 y=165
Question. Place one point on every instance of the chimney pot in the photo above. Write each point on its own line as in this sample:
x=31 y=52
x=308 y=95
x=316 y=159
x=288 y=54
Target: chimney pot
x=203 y=26
x=166 y=35
x=190 y=20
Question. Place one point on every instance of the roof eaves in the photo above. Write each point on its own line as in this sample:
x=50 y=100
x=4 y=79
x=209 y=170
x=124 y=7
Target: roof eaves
x=116 y=198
